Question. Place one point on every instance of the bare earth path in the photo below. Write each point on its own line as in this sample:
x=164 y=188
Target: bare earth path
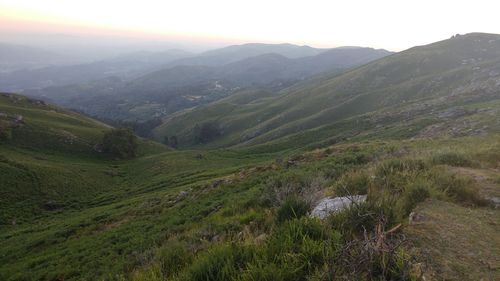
x=456 y=242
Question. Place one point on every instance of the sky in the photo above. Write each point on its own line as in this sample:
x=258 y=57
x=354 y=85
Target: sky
x=391 y=24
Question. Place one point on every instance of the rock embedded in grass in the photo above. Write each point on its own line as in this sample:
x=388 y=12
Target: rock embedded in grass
x=328 y=206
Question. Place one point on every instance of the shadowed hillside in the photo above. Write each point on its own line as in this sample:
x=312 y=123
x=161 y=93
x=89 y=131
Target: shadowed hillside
x=419 y=88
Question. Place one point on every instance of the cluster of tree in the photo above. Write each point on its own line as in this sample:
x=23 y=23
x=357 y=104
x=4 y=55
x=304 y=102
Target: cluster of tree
x=141 y=128
x=206 y=132
x=170 y=141
x=120 y=143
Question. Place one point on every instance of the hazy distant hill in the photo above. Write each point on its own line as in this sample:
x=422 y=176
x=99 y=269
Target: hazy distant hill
x=238 y=52
x=413 y=89
x=14 y=57
x=124 y=66
x=49 y=72
x=168 y=90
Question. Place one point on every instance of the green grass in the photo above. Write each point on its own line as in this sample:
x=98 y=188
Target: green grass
x=119 y=230
x=236 y=214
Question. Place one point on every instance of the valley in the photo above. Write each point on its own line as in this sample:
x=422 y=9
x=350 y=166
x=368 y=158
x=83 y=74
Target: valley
x=246 y=141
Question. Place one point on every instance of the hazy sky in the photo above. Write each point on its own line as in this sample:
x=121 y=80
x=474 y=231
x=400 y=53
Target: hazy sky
x=390 y=24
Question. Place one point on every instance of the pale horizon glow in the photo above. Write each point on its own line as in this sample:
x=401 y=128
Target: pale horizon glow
x=391 y=24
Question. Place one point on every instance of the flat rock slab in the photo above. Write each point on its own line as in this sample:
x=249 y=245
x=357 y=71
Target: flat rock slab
x=328 y=206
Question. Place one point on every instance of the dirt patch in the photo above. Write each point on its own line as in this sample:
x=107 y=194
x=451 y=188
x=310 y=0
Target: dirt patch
x=454 y=242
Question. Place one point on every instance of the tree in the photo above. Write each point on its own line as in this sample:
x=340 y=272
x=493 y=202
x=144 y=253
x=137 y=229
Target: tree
x=165 y=140
x=173 y=141
x=206 y=132
x=121 y=143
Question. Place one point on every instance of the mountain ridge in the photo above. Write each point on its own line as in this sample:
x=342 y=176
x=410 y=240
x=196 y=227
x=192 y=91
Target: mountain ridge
x=390 y=81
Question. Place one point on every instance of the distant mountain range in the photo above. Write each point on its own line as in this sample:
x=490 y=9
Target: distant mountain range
x=197 y=80
x=17 y=57
x=125 y=66
x=411 y=92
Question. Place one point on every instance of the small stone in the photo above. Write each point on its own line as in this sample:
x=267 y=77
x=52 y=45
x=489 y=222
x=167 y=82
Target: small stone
x=261 y=238
x=415 y=217
x=183 y=194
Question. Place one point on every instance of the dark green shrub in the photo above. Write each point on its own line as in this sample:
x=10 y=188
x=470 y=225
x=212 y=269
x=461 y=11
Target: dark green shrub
x=173 y=142
x=221 y=263
x=452 y=159
x=292 y=208
x=413 y=194
x=5 y=131
x=352 y=183
x=173 y=257
x=394 y=166
x=459 y=188
x=298 y=247
x=120 y=143
x=206 y=132
x=394 y=174
x=355 y=220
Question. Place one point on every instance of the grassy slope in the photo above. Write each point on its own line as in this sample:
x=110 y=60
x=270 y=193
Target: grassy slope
x=463 y=69
x=118 y=216
x=130 y=210
x=97 y=199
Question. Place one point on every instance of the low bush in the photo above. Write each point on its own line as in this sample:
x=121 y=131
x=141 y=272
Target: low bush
x=298 y=247
x=352 y=183
x=224 y=262
x=292 y=208
x=394 y=174
x=292 y=183
x=353 y=221
x=452 y=159
x=413 y=194
x=458 y=188
x=120 y=143
x=5 y=130
x=172 y=257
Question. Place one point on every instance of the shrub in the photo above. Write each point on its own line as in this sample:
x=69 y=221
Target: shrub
x=298 y=247
x=120 y=143
x=173 y=257
x=459 y=188
x=394 y=174
x=173 y=142
x=352 y=183
x=413 y=194
x=292 y=183
x=358 y=218
x=452 y=159
x=206 y=132
x=292 y=208
x=393 y=166
x=220 y=263
x=376 y=256
x=5 y=131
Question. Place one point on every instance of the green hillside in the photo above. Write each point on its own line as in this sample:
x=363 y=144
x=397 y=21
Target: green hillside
x=416 y=86
x=417 y=133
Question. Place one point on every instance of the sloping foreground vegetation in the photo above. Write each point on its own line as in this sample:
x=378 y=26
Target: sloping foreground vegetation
x=249 y=223
x=236 y=215
x=276 y=240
